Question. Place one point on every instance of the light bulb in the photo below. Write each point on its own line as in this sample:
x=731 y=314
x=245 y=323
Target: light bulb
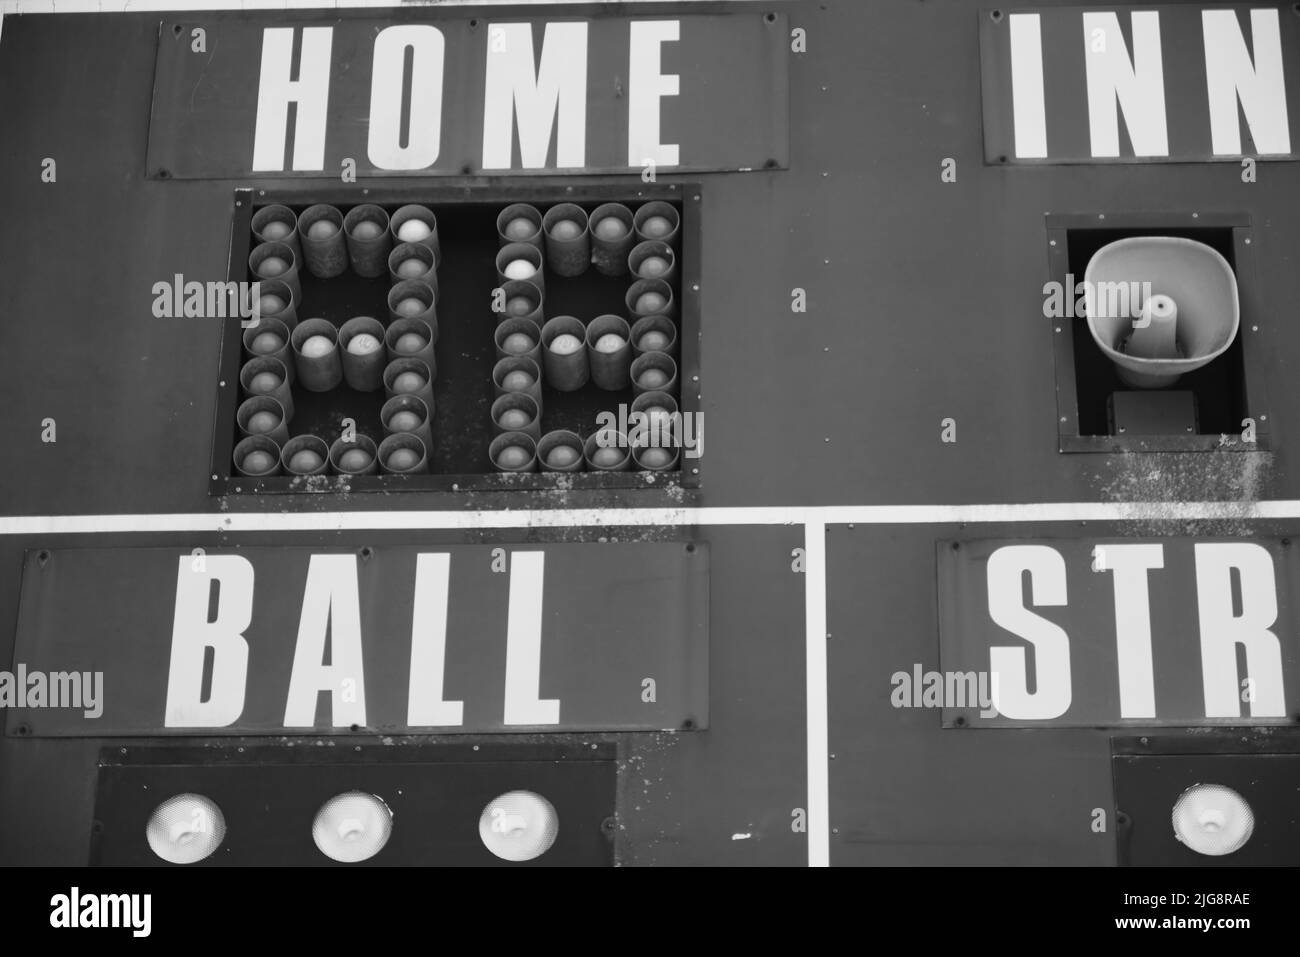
x=185 y=829
x=1213 y=820
x=519 y=826
x=352 y=827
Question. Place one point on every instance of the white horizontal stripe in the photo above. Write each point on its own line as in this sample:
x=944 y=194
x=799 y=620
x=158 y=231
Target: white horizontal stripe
x=167 y=6
x=607 y=517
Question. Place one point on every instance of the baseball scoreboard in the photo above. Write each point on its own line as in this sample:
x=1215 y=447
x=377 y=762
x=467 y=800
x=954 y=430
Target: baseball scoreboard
x=357 y=508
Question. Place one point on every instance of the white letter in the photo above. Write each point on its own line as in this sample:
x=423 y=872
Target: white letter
x=311 y=91
x=1011 y=696
x=192 y=633
x=1027 y=104
x=1130 y=564
x=424 y=705
x=1221 y=632
x=558 y=87
x=1229 y=74
x=141 y=910
x=524 y=644
x=424 y=136
x=645 y=87
x=59 y=913
x=1139 y=85
x=330 y=601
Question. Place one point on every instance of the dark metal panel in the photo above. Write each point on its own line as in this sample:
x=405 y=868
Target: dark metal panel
x=1151 y=773
x=906 y=790
x=930 y=305
x=682 y=796
x=268 y=797
x=730 y=113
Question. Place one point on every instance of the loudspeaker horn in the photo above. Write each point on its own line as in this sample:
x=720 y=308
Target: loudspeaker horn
x=1160 y=306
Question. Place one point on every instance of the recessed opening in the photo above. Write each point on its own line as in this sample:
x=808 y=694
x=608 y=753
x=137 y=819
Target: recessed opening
x=1212 y=400
x=463 y=386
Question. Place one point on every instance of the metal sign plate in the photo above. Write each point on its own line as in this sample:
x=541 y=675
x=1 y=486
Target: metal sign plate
x=506 y=94
x=1114 y=632
x=1166 y=83
x=287 y=640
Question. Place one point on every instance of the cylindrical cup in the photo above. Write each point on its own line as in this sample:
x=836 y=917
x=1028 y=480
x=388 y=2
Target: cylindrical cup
x=403 y=440
x=426 y=216
x=269 y=325
x=409 y=403
x=421 y=368
x=305 y=443
x=518 y=327
x=654 y=360
x=514 y=290
x=652 y=457
x=666 y=307
x=263 y=403
x=412 y=261
x=602 y=440
x=282 y=291
x=400 y=328
x=660 y=324
x=655 y=210
x=416 y=289
x=528 y=367
x=568 y=372
x=609 y=255
x=365 y=371
x=324 y=256
x=572 y=256
x=317 y=373
x=549 y=442
x=255 y=367
x=511 y=253
x=655 y=413
x=507 y=439
x=653 y=249
x=257 y=443
x=257 y=260
x=518 y=402
x=369 y=255
x=520 y=211
x=360 y=442
x=286 y=232
x=609 y=370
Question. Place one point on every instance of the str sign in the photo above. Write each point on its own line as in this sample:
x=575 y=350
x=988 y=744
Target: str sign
x=437 y=94
x=1166 y=83
x=1122 y=631
x=570 y=637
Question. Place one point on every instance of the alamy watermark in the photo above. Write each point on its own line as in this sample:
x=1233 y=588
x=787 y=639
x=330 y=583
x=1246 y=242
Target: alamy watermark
x=1121 y=300
x=944 y=689
x=55 y=689
x=179 y=299
x=75 y=909
x=654 y=428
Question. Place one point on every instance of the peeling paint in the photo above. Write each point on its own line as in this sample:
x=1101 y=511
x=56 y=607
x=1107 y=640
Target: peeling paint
x=1238 y=480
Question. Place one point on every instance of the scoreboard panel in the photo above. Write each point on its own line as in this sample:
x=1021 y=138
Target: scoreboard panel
x=872 y=227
